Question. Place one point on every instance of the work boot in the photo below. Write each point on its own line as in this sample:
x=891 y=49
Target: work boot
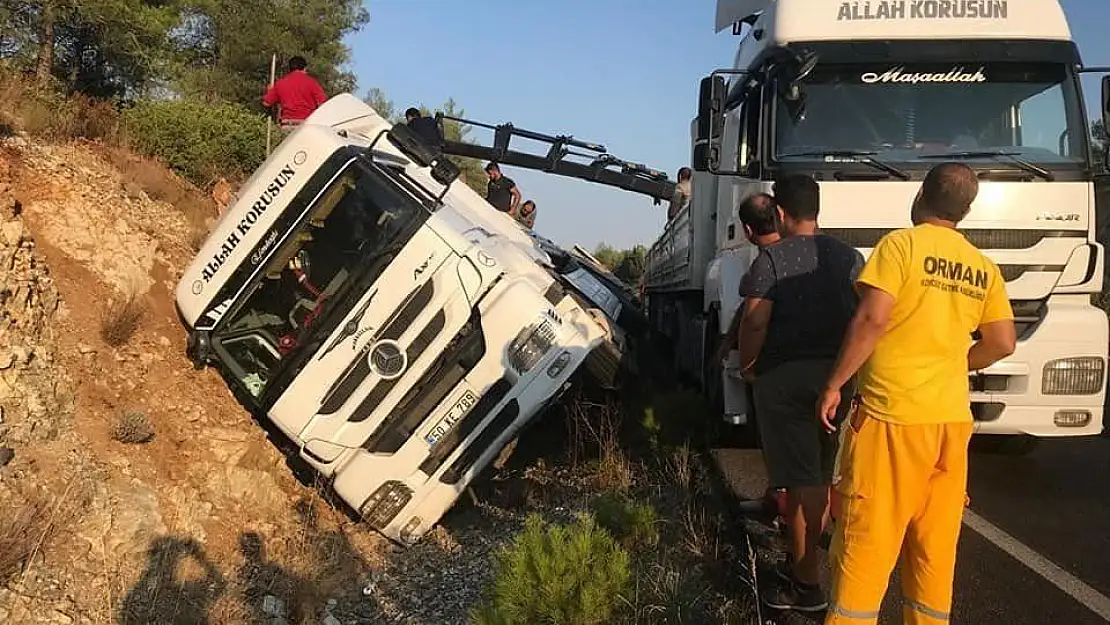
x=794 y=595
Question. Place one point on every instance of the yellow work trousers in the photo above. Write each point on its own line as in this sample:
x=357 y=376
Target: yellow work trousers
x=902 y=490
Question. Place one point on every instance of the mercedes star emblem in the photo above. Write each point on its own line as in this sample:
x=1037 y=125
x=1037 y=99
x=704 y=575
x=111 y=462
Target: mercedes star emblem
x=388 y=359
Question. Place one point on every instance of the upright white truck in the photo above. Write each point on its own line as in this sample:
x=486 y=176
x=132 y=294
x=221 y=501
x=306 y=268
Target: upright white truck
x=388 y=321
x=866 y=97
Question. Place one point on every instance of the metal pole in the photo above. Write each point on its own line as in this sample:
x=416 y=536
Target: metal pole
x=270 y=118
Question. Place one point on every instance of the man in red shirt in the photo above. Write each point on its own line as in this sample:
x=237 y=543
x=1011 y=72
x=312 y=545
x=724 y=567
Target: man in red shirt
x=297 y=93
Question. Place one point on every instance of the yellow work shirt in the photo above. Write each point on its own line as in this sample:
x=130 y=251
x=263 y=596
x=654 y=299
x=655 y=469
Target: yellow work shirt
x=944 y=289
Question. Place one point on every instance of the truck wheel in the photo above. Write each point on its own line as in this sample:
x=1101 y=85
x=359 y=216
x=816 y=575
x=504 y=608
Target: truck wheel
x=1005 y=444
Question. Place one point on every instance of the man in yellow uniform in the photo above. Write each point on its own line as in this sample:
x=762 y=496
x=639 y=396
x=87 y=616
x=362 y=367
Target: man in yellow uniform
x=903 y=470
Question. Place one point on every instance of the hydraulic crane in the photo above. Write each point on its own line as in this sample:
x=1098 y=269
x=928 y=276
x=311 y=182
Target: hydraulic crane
x=602 y=167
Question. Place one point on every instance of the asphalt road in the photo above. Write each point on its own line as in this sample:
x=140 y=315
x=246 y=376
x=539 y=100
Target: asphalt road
x=1038 y=522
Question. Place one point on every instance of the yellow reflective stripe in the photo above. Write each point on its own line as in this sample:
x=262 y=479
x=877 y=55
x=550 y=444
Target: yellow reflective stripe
x=926 y=610
x=854 y=614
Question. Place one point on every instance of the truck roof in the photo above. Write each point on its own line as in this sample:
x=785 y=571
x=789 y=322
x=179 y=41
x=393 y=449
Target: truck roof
x=790 y=21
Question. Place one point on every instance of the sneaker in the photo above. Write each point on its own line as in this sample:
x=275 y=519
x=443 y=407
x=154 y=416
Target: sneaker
x=793 y=595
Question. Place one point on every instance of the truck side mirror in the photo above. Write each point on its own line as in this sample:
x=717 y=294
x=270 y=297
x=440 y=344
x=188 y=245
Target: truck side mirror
x=711 y=121
x=411 y=145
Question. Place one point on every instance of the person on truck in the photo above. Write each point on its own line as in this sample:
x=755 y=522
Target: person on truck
x=297 y=94
x=682 y=192
x=425 y=127
x=527 y=214
x=501 y=191
x=903 y=473
x=799 y=297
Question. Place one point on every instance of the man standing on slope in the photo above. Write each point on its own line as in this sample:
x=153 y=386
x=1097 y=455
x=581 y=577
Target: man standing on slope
x=903 y=470
x=297 y=93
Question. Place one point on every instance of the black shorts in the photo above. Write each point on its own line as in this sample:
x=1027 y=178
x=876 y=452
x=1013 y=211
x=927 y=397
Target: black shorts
x=798 y=451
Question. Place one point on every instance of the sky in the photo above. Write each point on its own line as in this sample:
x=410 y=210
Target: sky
x=623 y=73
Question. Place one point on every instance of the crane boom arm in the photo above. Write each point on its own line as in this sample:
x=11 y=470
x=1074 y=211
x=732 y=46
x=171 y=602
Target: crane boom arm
x=602 y=168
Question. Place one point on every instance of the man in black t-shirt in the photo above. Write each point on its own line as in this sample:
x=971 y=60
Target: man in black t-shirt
x=425 y=127
x=799 y=296
x=501 y=191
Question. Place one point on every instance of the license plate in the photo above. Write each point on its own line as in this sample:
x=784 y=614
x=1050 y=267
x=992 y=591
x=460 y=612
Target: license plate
x=452 y=418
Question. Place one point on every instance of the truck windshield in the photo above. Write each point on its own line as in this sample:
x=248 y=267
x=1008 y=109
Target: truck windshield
x=351 y=230
x=905 y=112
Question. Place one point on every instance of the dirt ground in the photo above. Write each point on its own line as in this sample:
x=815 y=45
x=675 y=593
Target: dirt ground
x=133 y=528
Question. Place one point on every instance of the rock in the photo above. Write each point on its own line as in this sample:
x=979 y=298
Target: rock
x=85 y=349
x=137 y=521
x=132 y=190
x=164 y=341
x=7 y=360
x=256 y=490
x=331 y=620
x=273 y=606
x=11 y=233
x=6 y=456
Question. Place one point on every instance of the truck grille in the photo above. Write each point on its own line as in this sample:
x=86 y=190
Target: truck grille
x=444 y=375
x=468 y=458
x=381 y=390
x=983 y=239
x=1027 y=315
x=359 y=368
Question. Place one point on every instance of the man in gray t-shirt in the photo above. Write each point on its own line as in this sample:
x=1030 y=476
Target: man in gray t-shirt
x=799 y=296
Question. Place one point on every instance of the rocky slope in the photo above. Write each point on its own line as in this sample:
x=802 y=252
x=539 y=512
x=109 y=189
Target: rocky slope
x=198 y=519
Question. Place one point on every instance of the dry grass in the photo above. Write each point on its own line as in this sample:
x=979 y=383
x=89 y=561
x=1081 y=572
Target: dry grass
x=679 y=468
x=667 y=592
x=701 y=532
x=596 y=434
x=133 y=428
x=26 y=527
x=22 y=528
x=122 y=319
x=161 y=184
x=47 y=115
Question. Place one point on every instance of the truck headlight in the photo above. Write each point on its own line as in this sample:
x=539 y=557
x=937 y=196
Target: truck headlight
x=1073 y=376
x=530 y=346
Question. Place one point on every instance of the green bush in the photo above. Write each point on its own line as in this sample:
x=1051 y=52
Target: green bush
x=556 y=575
x=201 y=142
x=670 y=420
x=632 y=522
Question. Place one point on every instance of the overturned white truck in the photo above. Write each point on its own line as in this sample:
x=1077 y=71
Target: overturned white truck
x=387 y=321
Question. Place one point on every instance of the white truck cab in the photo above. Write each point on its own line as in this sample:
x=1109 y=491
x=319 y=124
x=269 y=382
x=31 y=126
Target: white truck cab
x=390 y=323
x=866 y=97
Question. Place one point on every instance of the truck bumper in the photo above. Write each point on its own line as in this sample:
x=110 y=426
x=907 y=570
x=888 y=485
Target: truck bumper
x=1055 y=382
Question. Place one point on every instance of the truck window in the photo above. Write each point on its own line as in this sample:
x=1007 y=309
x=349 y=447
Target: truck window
x=902 y=111
x=311 y=278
